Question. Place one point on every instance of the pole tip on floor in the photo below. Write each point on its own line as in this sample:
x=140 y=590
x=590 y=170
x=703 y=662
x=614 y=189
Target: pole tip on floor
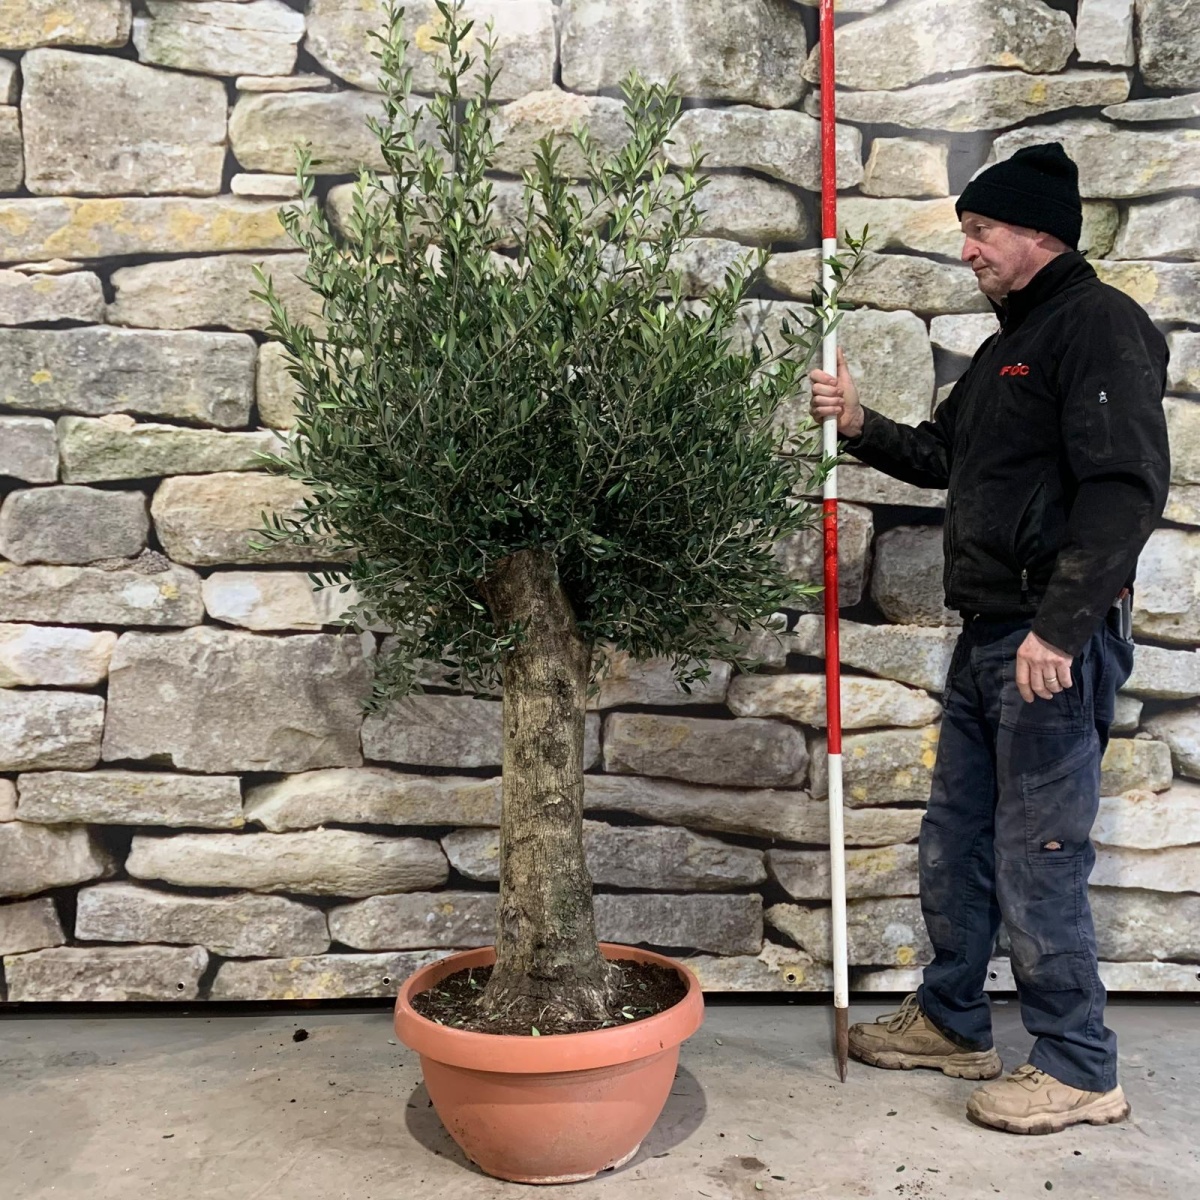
x=842 y=1028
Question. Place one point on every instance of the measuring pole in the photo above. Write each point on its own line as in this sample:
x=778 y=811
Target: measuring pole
x=833 y=690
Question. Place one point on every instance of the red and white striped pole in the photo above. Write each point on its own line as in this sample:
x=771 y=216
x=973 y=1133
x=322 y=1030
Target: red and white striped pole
x=833 y=691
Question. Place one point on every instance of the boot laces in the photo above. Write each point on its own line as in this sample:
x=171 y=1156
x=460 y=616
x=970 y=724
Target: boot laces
x=1028 y=1072
x=903 y=1017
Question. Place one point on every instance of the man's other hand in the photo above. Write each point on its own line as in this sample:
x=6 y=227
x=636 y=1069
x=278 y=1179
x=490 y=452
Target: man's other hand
x=837 y=398
x=1042 y=669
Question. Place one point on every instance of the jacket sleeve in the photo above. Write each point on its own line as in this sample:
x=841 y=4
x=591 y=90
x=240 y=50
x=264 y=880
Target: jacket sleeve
x=916 y=454
x=1111 y=382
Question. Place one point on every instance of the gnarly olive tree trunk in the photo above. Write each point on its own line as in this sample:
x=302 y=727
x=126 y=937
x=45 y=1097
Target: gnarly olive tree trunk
x=548 y=965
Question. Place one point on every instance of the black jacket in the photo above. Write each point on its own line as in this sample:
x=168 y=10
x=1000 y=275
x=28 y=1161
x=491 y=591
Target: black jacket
x=1053 y=446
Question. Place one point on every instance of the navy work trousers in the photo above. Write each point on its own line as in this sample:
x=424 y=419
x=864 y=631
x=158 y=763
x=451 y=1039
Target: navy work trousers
x=1006 y=836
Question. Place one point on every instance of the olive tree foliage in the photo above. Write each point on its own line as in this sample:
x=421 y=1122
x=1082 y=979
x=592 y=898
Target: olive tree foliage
x=457 y=405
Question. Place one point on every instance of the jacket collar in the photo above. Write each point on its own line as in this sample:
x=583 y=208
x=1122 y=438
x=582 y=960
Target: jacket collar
x=1056 y=276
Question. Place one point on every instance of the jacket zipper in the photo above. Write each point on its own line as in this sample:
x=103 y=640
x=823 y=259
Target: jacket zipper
x=1106 y=450
x=1024 y=584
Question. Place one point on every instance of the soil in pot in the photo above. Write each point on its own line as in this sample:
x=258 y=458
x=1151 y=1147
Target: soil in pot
x=641 y=990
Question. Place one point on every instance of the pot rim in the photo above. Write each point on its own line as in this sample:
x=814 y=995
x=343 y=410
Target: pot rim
x=527 y=1055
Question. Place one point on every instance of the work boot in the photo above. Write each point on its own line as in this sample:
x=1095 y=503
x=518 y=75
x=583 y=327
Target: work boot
x=907 y=1038
x=1030 y=1101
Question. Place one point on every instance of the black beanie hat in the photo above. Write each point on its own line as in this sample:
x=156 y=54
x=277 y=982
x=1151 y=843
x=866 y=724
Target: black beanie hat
x=1037 y=187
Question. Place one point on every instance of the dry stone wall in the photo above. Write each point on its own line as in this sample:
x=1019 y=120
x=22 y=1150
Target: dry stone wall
x=191 y=804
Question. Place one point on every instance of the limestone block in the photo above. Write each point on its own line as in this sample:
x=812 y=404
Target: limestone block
x=276 y=390
x=866 y=703
x=780 y=143
x=974 y=103
x=1131 y=763
x=1184 y=370
x=220 y=700
x=1167 y=291
x=776 y=969
x=242 y=925
x=302 y=82
x=1160 y=674
x=1104 y=32
x=801 y=555
x=789 y=816
x=962 y=334
x=204 y=378
x=1180 y=729
x=264 y=128
x=1176 y=869
x=879 y=871
x=113 y=797
x=51 y=656
x=28 y=449
x=918 y=38
x=319 y=977
x=339 y=38
x=217 y=290
x=1127 y=717
x=865 y=485
x=1169 y=55
x=1169 y=158
x=209 y=520
x=906 y=582
x=49 y=23
x=888 y=281
x=1156 y=108
x=72 y=524
x=747 y=752
x=121 y=974
x=43 y=229
x=322 y=862
x=554 y=113
x=907 y=653
x=256 y=38
x=417 y=920
x=12 y=149
x=649 y=857
x=1183 y=505
x=8 y=800
x=1183 y=429
x=261 y=184
x=41 y=730
x=745 y=209
x=29 y=925
x=101 y=596
x=118 y=447
x=652 y=682
x=1142 y=820
x=742 y=50
x=906 y=167
x=34 y=299
x=1133 y=925
x=891 y=766
x=886 y=932
x=719 y=924
x=448 y=731
x=372 y=796
x=39 y=857
x=262 y=600
x=1166 y=604
x=94 y=126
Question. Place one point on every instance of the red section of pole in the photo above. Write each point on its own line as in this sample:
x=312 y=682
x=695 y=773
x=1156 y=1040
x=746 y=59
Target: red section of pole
x=829 y=227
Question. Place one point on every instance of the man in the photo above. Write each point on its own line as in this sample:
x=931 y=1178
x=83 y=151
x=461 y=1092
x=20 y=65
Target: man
x=1053 y=448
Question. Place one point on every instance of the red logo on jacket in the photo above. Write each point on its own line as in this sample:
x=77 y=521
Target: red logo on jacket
x=1015 y=369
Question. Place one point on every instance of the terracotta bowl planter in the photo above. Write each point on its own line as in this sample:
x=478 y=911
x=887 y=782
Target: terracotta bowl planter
x=551 y=1109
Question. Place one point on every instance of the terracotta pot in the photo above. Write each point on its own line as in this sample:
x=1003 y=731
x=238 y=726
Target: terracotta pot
x=553 y=1109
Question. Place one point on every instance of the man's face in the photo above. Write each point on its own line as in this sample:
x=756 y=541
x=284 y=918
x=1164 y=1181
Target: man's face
x=1004 y=257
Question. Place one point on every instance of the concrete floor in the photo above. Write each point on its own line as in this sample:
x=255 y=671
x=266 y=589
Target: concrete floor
x=230 y=1107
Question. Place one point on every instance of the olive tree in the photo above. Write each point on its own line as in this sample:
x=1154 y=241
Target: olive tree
x=524 y=458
